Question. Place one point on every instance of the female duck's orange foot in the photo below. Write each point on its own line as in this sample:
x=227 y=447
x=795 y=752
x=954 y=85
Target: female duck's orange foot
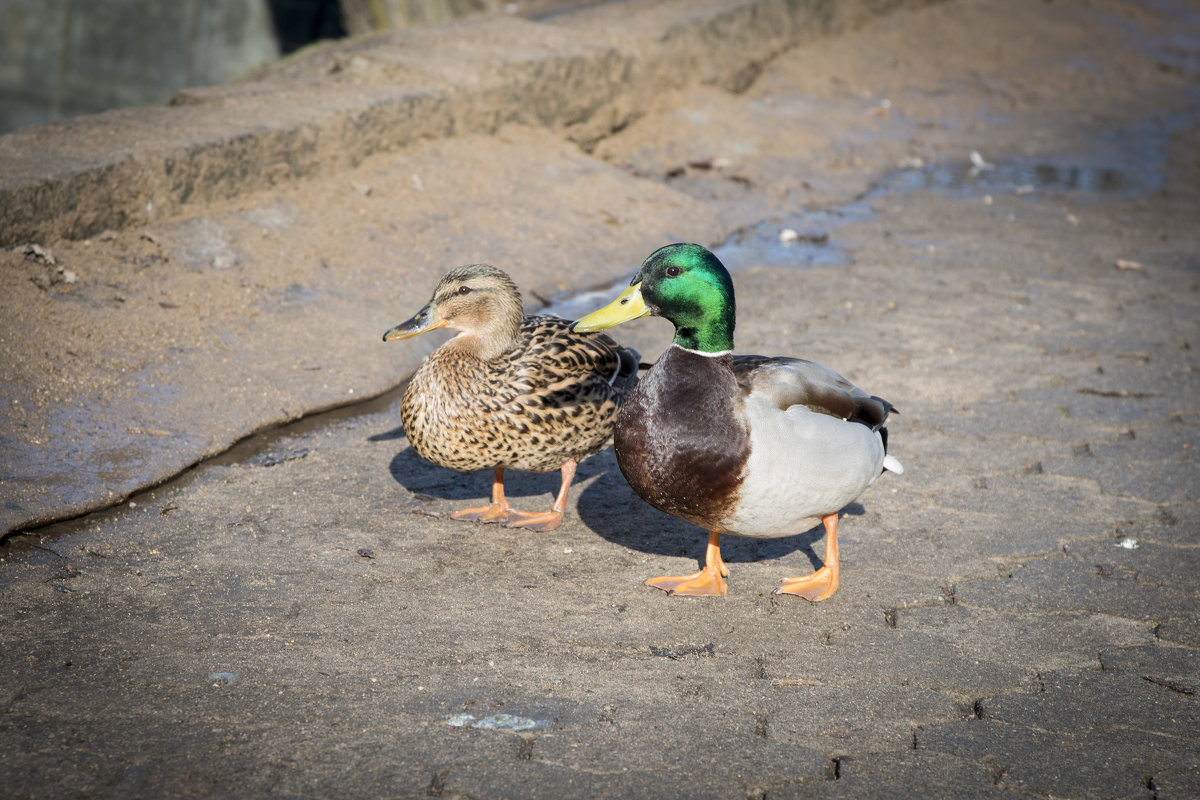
x=819 y=586
x=494 y=512
x=705 y=583
x=534 y=520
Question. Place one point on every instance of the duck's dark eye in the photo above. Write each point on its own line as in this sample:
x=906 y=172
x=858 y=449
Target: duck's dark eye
x=464 y=290
x=674 y=272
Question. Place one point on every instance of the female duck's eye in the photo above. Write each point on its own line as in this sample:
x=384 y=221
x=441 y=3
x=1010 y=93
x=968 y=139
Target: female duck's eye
x=674 y=272
x=464 y=290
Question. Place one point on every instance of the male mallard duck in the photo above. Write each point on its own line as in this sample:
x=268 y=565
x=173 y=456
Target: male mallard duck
x=752 y=445
x=509 y=391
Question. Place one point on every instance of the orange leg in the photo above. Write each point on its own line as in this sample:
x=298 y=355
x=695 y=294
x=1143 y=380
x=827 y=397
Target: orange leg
x=824 y=582
x=546 y=520
x=708 y=581
x=499 y=509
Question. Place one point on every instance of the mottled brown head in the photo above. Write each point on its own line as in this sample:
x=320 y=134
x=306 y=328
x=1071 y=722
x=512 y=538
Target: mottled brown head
x=479 y=301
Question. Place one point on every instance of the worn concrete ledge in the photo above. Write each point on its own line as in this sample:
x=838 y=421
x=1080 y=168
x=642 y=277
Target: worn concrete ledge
x=585 y=74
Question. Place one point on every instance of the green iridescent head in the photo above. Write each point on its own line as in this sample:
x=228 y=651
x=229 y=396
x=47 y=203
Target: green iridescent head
x=684 y=283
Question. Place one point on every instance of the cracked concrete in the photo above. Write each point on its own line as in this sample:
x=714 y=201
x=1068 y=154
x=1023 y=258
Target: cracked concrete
x=1018 y=614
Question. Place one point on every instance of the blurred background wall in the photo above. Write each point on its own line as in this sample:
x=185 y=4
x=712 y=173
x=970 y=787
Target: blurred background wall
x=60 y=58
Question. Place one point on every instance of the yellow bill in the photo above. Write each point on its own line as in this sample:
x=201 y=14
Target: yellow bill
x=628 y=305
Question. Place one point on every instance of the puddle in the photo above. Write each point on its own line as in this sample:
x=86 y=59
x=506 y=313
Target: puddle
x=1020 y=178
x=1125 y=162
x=807 y=241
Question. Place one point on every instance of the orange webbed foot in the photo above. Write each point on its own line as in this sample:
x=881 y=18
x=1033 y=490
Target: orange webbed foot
x=705 y=583
x=534 y=520
x=493 y=512
x=816 y=587
x=546 y=520
x=708 y=582
x=824 y=582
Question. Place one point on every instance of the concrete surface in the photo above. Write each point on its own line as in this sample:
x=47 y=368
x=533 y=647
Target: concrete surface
x=1019 y=614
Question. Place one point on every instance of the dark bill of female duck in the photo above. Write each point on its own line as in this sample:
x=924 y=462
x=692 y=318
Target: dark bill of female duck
x=427 y=319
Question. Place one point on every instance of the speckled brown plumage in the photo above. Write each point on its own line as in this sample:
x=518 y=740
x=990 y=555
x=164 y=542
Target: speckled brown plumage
x=545 y=399
x=510 y=390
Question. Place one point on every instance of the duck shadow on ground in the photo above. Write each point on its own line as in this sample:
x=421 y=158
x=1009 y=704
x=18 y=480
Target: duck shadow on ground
x=436 y=490
x=612 y=510
x=604 y=503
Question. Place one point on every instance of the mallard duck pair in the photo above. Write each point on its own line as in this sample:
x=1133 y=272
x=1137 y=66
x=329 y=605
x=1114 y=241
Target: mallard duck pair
x=750 y=445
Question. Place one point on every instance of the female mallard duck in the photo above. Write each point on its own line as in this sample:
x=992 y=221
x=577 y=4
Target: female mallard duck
x=752 y=445
x=509 y=391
